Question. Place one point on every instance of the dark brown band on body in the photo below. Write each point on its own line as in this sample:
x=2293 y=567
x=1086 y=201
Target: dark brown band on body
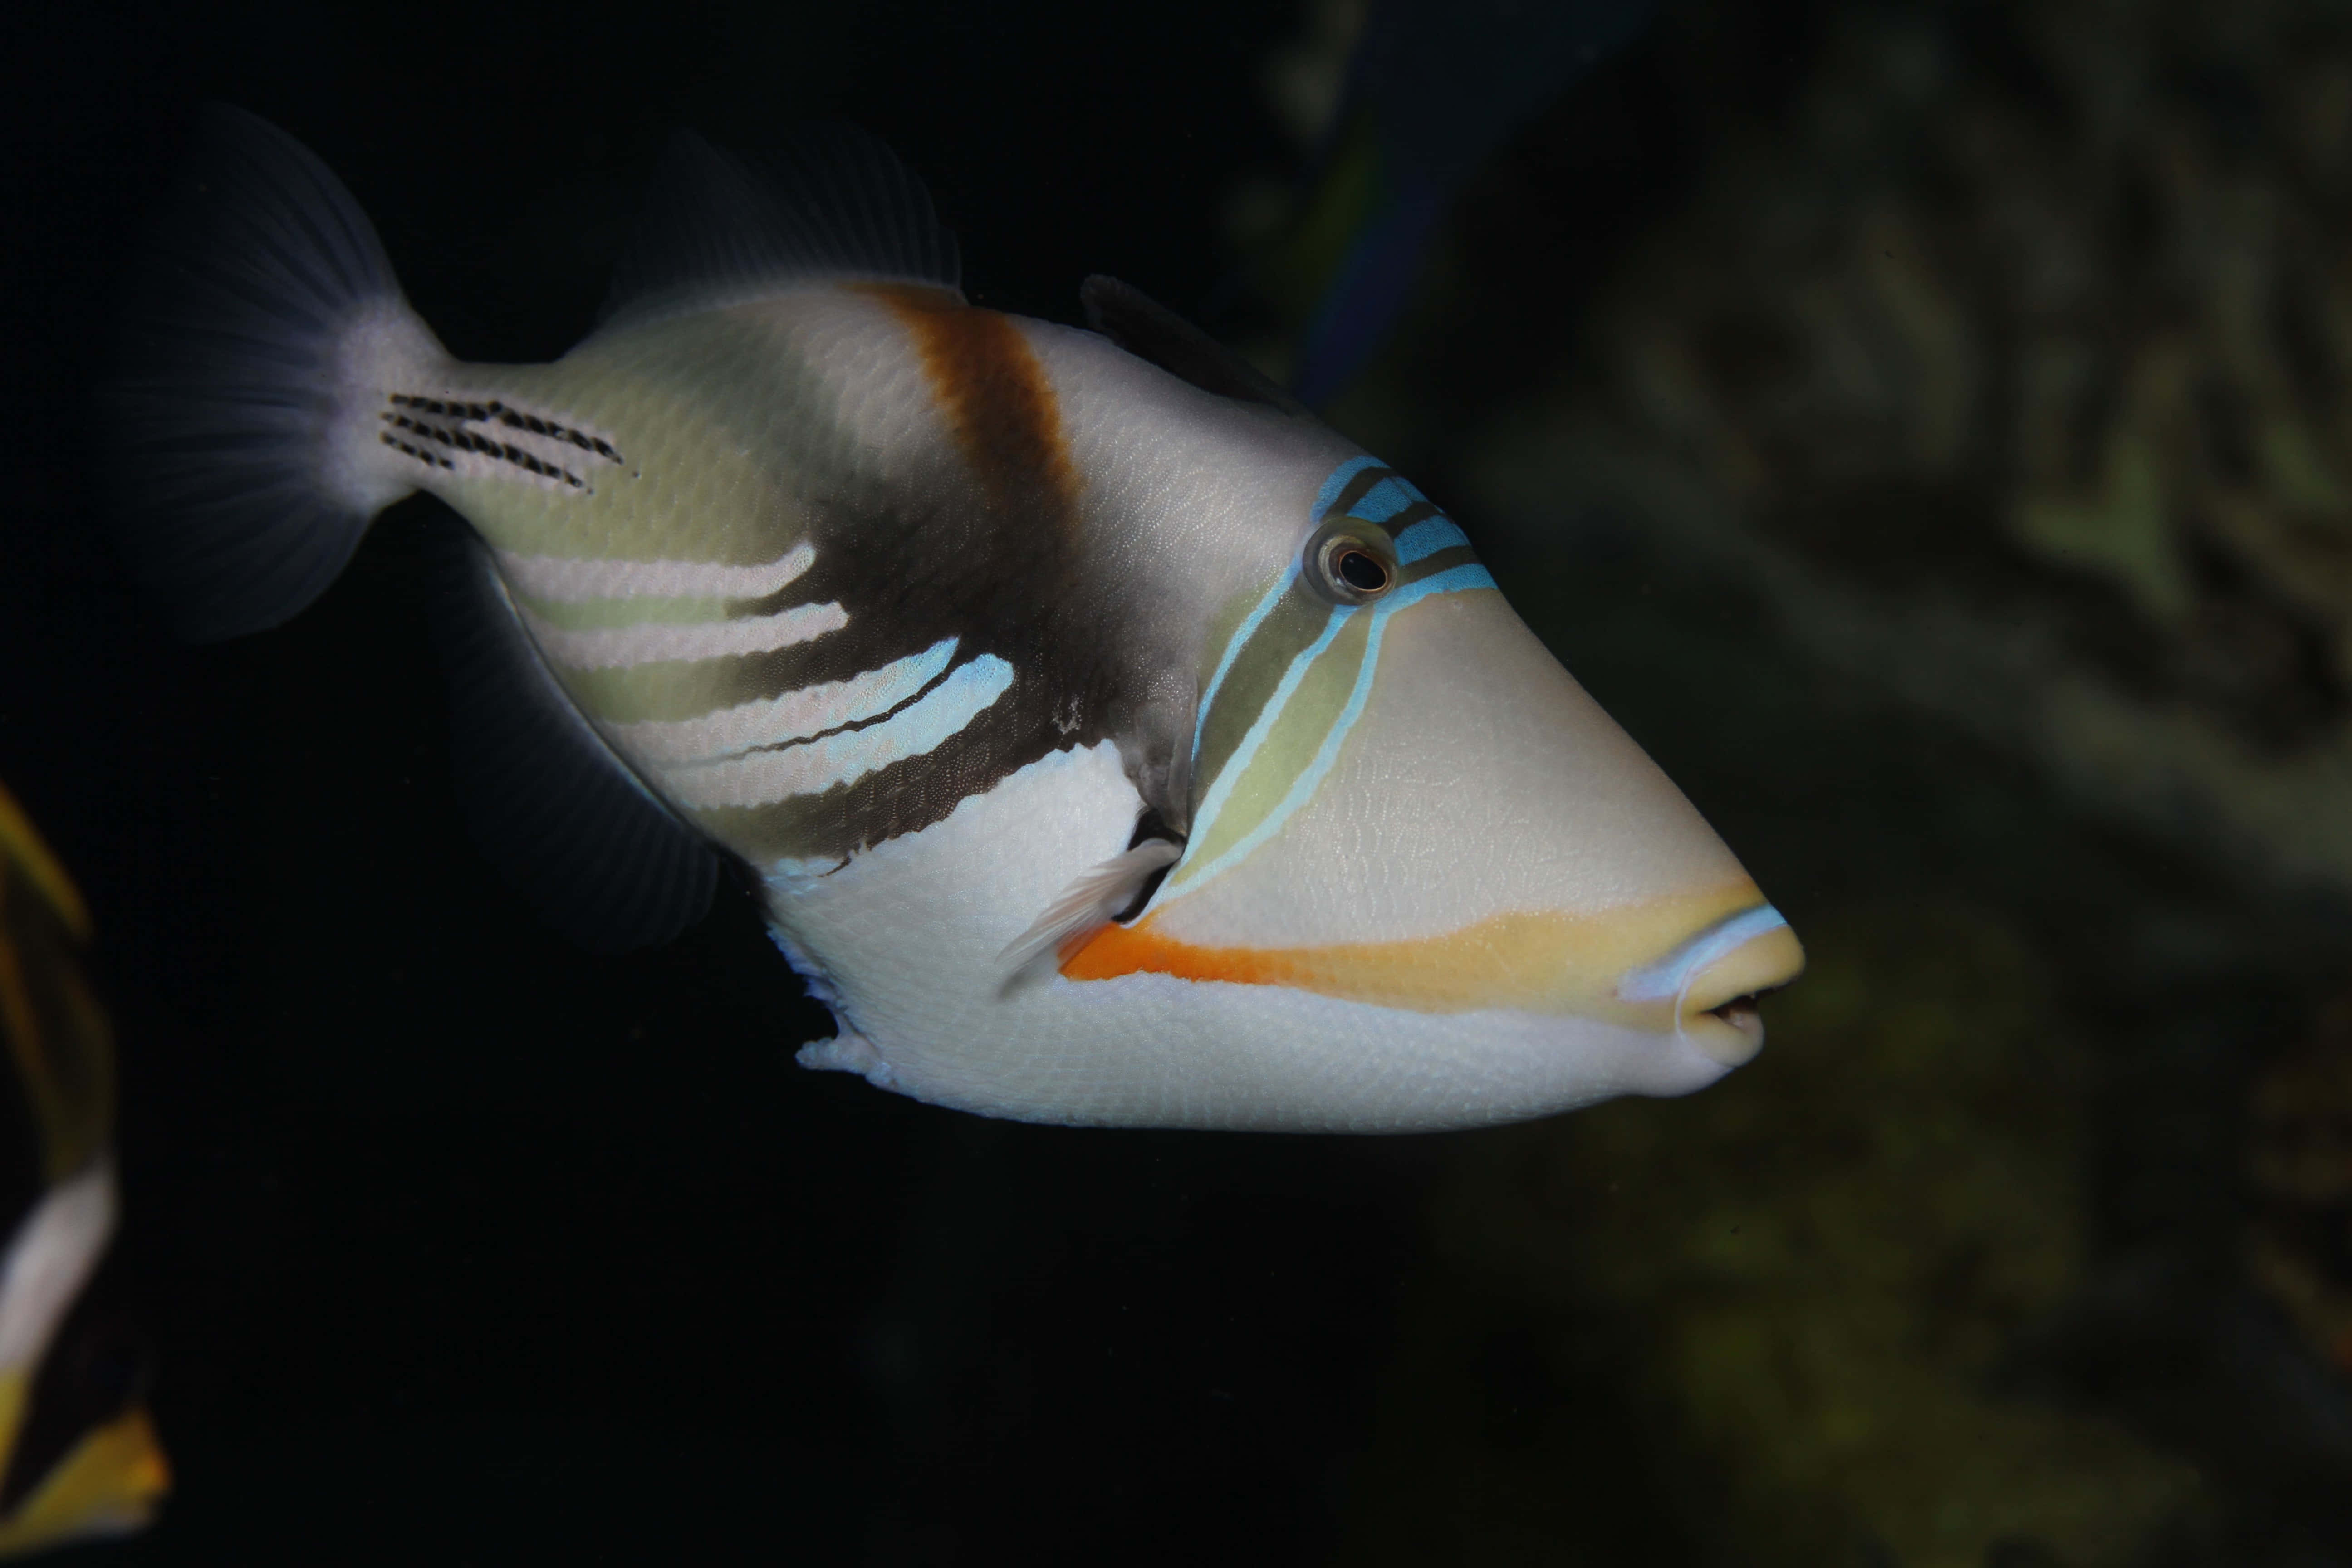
x=995 y=396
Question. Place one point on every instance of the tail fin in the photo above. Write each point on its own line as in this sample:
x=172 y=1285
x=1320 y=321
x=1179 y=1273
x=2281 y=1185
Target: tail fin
x=260 y=342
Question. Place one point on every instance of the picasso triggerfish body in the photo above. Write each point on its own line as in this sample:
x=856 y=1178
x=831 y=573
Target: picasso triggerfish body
x=1104 y=739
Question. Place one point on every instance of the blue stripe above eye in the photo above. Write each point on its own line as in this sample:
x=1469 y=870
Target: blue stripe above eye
x=1337 y=483
x=1427 y=537
x=1385 y=500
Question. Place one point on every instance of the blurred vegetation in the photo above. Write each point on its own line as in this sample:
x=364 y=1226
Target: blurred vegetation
x=1819 y=1270
x=1927 y=425
x=2013 y=354
x=1930 y=428
x=2299 y=1167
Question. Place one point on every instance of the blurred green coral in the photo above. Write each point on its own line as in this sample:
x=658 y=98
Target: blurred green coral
x=1830 y=1257
x=2299 y=1171
x=2014 y=363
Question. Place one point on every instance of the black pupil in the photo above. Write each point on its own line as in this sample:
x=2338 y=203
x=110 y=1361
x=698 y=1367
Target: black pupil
x=1361 y=572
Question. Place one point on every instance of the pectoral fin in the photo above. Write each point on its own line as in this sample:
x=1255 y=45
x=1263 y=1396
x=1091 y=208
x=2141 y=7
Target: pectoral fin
x=1092 y=902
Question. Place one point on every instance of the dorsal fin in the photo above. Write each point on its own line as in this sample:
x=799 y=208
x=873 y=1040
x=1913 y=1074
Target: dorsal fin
x=551 y=804
x=720 y=229
x=1150 y=330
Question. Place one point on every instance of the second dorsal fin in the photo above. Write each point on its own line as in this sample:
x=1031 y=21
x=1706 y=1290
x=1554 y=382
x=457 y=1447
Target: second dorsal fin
x=1150 y=330
x=720 y=230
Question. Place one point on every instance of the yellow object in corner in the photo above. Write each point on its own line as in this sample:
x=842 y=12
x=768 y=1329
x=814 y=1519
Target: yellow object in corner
x=57 y=1093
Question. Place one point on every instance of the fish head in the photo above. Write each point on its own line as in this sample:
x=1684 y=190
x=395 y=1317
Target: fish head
x=1401 y=804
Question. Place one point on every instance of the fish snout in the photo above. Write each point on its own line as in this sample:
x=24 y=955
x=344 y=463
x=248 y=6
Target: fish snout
x=1427 y=863
x=1711 y=982
x=1486 y=840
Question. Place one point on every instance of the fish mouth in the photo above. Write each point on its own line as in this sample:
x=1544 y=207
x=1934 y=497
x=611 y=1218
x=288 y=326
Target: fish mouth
x=1731 y=1033
x=1715 y=978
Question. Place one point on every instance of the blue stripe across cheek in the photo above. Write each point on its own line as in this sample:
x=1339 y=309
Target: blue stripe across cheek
x=1385 y=500
x=1241 y=634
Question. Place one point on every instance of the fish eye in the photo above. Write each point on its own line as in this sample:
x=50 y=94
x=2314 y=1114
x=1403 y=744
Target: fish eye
x=1361 y=572
x=1348 y=567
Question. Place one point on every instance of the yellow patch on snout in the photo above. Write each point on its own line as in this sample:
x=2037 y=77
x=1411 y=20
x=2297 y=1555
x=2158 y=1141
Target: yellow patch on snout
x=1545 y=961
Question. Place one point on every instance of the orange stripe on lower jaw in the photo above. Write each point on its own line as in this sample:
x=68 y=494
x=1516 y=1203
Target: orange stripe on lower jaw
x=1539 y=961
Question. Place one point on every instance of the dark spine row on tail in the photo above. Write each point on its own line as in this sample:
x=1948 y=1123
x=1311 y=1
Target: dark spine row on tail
x=239 y=398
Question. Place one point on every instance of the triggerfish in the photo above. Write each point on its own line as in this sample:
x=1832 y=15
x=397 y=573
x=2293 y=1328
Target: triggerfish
x=78 y=1456
x=1104 y=739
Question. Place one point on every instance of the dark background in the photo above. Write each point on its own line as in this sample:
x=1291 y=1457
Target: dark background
x=458 y=1245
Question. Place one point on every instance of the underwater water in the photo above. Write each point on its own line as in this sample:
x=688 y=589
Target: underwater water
x=1926 y=427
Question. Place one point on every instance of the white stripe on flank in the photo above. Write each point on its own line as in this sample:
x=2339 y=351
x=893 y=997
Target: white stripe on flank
x=789 y=716
x=763 y=778
x=616 y=648
x=570 y=580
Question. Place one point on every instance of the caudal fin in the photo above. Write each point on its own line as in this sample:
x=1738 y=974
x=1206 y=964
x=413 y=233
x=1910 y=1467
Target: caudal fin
x=248 y=448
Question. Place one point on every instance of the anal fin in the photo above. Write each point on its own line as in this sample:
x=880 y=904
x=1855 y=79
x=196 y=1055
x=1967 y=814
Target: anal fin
x=562 y=816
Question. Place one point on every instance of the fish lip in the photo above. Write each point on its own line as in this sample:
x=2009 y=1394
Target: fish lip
x=1714 y=978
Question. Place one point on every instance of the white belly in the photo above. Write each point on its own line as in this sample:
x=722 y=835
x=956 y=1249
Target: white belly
x=905 y=944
